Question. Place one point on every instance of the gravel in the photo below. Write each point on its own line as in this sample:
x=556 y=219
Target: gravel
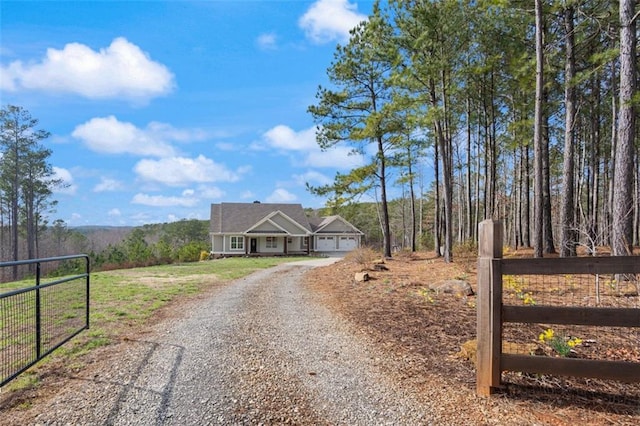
x=260 y=350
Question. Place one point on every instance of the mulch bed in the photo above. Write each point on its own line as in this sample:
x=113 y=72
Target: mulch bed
x=431 y=334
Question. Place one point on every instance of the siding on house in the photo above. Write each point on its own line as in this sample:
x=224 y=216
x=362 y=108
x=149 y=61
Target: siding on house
x=273 y=228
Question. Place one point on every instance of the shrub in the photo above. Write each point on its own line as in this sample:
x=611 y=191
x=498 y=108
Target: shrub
x=363 y=256
x=405 y=254
x=466 y=254
x=190 y=252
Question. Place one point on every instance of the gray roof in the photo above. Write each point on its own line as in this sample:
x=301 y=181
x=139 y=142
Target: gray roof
x=318 y=223
x=239 y=217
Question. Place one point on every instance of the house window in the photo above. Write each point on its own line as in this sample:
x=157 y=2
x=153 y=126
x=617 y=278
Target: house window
x=272 y=242
x=237 y=243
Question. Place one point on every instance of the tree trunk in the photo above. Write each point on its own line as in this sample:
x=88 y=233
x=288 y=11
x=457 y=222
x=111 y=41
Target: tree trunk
x=621 y=243
x=470 y=220
x=520 y=238
x=413 y=203
x=436 y=219
x=594 y=166
x=537 y=137
x=526 y=240
x=386 y=231
x=446 y=149
x=549 y=246
x=567 y=217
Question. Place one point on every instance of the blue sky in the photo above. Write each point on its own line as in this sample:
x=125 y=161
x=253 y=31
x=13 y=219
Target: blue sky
x=159 y=108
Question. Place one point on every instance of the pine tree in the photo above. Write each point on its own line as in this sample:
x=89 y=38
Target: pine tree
x=354 y=111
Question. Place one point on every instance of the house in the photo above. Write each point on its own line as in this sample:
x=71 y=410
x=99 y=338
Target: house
x=277 y=229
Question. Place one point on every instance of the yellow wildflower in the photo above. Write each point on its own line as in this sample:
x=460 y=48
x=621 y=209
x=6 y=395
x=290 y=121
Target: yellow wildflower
x=574 y=341
x=546 y=335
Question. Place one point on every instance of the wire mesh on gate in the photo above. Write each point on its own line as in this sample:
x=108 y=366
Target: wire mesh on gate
x=17 y=333
x=63 y=312
x=575 y=341
x=37 y=319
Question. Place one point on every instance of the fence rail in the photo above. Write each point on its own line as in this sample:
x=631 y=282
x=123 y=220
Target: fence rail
x=39 y=315
x=493 y=314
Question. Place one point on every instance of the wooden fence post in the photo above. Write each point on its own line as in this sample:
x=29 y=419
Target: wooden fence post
x=488 y=302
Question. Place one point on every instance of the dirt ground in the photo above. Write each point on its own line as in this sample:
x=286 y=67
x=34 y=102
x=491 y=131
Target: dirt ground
x=427 y=331
x=424 y=333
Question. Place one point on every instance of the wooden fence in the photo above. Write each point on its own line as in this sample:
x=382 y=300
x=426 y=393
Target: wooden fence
x=493 y=314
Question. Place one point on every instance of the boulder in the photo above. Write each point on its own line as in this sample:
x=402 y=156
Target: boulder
x=457 y=287
x=362 y=277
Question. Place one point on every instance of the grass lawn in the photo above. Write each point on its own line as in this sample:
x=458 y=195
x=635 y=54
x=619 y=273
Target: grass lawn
x=123 y=298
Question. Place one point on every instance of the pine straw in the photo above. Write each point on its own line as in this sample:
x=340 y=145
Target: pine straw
x=425 y=331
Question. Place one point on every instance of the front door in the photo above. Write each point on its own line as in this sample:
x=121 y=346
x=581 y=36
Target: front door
x=254 y=245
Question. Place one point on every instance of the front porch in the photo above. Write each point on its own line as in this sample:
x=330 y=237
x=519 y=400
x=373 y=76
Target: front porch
x=263 y=244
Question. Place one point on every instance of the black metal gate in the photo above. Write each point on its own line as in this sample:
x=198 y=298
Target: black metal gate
x=37 y=317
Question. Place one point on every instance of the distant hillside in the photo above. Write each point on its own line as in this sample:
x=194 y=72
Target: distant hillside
x=99 y=237
x=89 y=229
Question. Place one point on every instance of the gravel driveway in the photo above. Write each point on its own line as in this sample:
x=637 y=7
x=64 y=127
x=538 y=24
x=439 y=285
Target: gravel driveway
x=261 y=350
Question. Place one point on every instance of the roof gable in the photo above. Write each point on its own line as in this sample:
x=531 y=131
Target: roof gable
x=335 y=224
x=278 y=222
x=239 y=218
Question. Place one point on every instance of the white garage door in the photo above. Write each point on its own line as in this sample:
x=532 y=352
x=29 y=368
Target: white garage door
x=347 y=243
x=326 y=244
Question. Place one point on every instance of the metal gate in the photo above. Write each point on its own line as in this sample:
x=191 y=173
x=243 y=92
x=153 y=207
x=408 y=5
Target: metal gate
x=39 y=315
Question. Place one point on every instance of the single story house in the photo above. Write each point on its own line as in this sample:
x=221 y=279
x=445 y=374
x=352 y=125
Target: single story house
x=277 y=229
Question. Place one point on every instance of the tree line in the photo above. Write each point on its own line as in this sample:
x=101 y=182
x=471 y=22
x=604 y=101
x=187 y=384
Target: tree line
x=120 y=247
x=521 y=111
x=26 y=183
x=524 y=111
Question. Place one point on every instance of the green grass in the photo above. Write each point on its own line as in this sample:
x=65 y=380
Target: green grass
x=120 y=299
x=26 y=380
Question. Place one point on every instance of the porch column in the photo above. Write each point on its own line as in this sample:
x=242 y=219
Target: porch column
x=285 y=244
x=246 y=245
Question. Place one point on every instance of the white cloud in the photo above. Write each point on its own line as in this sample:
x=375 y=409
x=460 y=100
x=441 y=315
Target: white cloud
x=59 y=139
x=247 y=194
x=67 y=186
x=267 y=41
x=121 y=70
x=163 y=201
x=109 y=135
x=311 y=177
x=114 y=213
x=209 y=193
x=339 y=157
x=284 y=138
x=176 y=171
x=4 y=51
x=107 y=185
x=281 y=195
x=330 y=20
x=167 y=131
x=225 y=146
x=243 y=170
